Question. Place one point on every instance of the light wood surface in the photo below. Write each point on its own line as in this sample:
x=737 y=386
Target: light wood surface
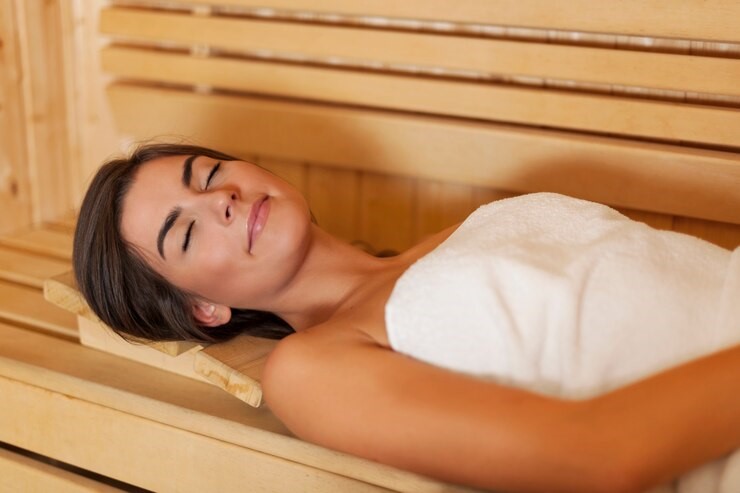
x=14 y=182
x=391 y=50
x=95 y=334
x=55 y=244
x=27 y=268
x=163 y=422
x=24 y=474
x=26 y=306
x=617 y=115
x=236 y=366
x=712 y=19
x=641 y=175
x=61 y=290
x=233 y=366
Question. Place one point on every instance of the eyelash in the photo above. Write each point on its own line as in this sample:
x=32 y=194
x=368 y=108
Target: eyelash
x=213 y=172
x=187 y=236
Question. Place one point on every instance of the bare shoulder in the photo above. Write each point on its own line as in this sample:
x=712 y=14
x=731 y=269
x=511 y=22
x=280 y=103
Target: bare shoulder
x=305 y=352
x=312 y=373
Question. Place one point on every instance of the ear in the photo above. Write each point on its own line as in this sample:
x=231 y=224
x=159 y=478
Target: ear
x=211 y=314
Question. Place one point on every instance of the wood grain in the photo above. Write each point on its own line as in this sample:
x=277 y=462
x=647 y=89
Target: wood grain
x=638 y=175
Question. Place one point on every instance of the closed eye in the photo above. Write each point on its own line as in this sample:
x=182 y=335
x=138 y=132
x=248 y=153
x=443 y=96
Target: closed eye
x=187 y=236
x=214 y=170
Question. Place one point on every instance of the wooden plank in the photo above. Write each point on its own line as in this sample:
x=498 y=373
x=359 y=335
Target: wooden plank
x=658 y=221
x=20 y=473
x=62 y=291
x=29 y=269
x=392 y=48
x=711 y=20
x=15 y=193
x=93 y=138
x=440 y=205
x=290 y=171
x=42 y=60
x=639 y=175
x=49 y=242
x=72 y=383
x=483 y=195
x=608 y=114
x=26 y=306
x=334 y=196
x=148 y=454
x=387 y=211
x=99 y=336
x=236 y=366
x=722 y=234
x=64 y=224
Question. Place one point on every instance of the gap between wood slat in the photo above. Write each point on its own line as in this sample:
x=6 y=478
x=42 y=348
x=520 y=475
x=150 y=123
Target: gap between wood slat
x=678 y=72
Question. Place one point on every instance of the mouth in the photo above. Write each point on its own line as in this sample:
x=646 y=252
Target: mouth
x=257 y=219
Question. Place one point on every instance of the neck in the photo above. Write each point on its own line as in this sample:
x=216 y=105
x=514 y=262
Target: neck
x=332 y=277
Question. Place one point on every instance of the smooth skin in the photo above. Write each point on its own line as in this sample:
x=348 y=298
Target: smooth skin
x=337 y=382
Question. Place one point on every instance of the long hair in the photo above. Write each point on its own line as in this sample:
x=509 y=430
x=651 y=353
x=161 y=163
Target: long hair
x=121 y=288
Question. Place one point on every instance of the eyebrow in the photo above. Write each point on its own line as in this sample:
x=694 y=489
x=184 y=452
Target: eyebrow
x=166 y=226
x=187 y=171
x=187 y=175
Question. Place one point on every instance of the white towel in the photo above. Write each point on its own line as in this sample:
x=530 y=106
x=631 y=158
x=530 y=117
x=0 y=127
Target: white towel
x=565 y=297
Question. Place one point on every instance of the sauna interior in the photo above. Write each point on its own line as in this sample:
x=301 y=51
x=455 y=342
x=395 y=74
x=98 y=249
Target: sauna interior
x=394 y=118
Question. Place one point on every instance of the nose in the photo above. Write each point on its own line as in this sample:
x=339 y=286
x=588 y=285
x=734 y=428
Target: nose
x=222 y=205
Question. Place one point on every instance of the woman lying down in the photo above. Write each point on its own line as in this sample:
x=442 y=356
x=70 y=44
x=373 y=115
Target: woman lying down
x=545 y=344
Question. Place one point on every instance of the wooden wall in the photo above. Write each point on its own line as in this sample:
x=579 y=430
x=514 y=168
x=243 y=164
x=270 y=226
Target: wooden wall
x=83 y=79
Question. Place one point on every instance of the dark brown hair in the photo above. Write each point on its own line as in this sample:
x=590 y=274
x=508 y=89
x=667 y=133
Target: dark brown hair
x=121 y=288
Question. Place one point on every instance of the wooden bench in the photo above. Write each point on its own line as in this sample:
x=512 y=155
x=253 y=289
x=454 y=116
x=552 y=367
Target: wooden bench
x=395 y=119
x=132 y=422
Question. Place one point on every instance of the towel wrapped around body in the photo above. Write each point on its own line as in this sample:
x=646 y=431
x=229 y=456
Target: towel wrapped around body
x=569 y=298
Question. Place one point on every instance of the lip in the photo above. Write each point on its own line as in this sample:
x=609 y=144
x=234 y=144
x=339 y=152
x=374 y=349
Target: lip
x=256 y=220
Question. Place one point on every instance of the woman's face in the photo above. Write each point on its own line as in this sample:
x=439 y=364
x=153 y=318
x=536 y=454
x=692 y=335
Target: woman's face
x=228 y=231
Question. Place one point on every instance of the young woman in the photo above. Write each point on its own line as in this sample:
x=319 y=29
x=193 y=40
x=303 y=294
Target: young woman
x=181 y=242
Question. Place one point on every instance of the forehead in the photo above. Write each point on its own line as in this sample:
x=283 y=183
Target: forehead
x=156 y=188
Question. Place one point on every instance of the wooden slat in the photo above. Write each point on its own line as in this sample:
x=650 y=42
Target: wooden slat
x=44 y=118
x=596 y=65
x=23 y=305
x=483 y=195
x=20 y=473
x=151 y=455
x=654 y=177
x=62 y=291
x=292 y=172
x=29 y=269
x=168 y=425
x=712 y=20
x=42 y=242
x=387 y=211
x=236 y=366
x=334 y=196
x=441 y=205
x=14 y=185
x=96 y=335
x=658 y=221
x=724 y=235
x=608 y=114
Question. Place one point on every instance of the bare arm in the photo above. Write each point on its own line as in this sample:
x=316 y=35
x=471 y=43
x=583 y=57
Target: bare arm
x=360 y=398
